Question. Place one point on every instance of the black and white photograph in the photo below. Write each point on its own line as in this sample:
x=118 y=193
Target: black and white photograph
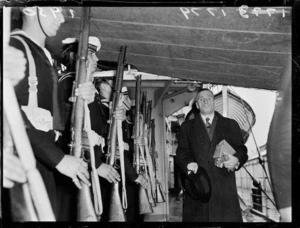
x=136 y=113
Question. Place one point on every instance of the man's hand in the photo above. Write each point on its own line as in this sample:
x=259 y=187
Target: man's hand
x=192 y=167
x=86 y=91
x=231 y=163
x=74 y=168
x=120 y=113
x=108 y=172
x=142 y=181
x=13 y=170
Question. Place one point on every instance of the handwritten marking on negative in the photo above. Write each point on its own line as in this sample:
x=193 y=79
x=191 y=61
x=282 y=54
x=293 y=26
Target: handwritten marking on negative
x=244 y=11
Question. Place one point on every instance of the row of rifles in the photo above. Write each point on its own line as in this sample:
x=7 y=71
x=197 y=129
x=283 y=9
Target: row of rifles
x=36 y=205
x=144 y=151
x=89 y=203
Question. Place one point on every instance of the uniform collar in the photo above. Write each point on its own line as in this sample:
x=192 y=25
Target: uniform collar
x=23 y=33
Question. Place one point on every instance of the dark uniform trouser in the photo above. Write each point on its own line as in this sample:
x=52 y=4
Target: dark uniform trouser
x=66 y=198
x=132 y=212
x=106 y=195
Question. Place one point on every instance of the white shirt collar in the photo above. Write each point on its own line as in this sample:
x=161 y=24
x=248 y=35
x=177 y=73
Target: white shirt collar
x=210 y=116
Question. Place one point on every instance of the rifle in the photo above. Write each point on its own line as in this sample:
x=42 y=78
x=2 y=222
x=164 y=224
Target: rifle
x=37 y=204
x=149 y=164
x=85 y=205
x=116 y=212
x=159 y=195
x=144 y=204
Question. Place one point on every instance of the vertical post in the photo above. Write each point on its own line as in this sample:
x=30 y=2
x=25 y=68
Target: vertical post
x=225 y=100
x=165 y=168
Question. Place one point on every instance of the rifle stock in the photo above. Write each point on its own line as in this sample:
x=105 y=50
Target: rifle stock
x=36 y=185
x=116 y=212
x=144 y=204
x=20 y=200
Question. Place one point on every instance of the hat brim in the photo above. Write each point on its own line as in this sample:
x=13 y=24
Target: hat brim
x=104 y=74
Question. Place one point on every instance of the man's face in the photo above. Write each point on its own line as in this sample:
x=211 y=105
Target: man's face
x=105 y=90
x=92 y=61
x=205 y=102
x=51 y=18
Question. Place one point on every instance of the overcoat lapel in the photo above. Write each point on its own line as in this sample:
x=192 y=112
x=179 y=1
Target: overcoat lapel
x=199 y=129
x=218 y=133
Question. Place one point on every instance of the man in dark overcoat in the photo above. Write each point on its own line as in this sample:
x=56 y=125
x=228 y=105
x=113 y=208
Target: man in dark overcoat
x=198 y=139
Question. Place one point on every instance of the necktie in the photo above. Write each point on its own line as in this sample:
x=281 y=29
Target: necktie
x=207 y=124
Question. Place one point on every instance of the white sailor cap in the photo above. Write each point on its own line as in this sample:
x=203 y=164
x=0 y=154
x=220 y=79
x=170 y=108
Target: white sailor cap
x=124 y=90
x=70 y=40
x=94 y=42
x=105 y=74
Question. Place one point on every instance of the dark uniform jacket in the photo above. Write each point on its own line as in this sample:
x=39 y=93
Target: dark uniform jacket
x=132 y=188
x=46 y=152
x=194 y=145
x=128 y=154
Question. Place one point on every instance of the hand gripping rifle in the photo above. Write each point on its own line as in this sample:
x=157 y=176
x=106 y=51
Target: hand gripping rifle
x=37 y=204
x=116 y=212
x=87 y=210
x=144 y=204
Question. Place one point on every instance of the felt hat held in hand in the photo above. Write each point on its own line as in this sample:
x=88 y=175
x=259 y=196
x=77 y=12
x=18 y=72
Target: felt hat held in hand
x=198 y=185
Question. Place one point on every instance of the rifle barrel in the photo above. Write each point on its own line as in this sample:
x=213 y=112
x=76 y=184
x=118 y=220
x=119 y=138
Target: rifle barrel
x=118 y=86
x=137 y=120
x=80 y=78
